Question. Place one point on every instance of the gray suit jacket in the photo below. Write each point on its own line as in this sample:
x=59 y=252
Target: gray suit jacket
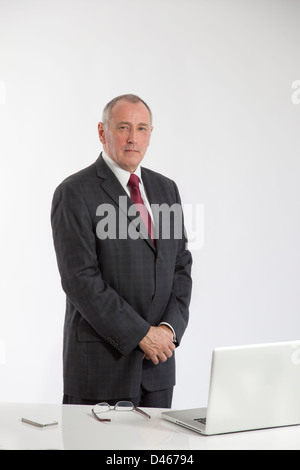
x=116 y=288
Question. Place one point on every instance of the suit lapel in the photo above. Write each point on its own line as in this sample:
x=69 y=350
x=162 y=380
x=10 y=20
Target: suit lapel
x=156 y=197
x=110 y=183
x=153 y=191
x=151 y=186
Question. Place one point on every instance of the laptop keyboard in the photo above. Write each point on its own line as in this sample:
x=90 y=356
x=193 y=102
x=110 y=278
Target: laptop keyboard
x=200 y=420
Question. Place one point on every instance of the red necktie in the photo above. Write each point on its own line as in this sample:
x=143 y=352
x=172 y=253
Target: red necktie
x=136 y=198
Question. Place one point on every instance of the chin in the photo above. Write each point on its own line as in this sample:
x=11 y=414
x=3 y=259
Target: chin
x=130 y=164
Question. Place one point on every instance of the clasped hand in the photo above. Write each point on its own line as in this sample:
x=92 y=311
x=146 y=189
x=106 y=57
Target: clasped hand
x=158 y=344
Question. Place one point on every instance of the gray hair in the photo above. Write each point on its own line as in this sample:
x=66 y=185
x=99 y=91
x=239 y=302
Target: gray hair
x=132 y=98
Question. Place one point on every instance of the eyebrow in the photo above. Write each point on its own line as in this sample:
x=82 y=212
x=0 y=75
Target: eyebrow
x=130 y=123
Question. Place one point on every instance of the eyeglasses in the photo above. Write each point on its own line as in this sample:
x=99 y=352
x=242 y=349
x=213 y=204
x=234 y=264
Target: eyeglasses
x=100 y=408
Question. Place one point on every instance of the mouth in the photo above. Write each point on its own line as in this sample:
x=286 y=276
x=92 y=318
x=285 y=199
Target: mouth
x=131 y=151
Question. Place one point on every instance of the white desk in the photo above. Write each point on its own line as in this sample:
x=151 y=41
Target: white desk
x=77 y=429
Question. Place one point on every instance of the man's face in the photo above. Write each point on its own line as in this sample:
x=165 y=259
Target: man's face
x=128 y=133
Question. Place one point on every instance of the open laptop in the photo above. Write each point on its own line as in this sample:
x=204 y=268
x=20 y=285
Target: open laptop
x=251 y=387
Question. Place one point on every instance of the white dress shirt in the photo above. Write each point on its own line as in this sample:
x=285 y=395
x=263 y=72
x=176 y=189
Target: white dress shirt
x=123 y=177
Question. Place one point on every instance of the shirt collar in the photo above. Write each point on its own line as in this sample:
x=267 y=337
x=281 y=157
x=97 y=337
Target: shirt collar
x=122 y=175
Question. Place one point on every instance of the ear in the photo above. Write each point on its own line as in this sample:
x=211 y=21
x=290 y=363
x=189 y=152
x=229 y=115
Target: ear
x=101 y=133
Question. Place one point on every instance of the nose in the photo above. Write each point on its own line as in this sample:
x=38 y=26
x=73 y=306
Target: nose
x=132 y=137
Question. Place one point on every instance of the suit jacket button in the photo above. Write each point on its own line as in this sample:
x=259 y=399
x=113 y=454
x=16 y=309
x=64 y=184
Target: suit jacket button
x=158 y=260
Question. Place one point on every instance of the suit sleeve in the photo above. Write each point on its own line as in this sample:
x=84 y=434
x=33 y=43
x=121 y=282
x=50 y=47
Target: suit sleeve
x=74 y=240
x=177 y=311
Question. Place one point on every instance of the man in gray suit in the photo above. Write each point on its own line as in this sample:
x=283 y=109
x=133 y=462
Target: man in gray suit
x=128 y=289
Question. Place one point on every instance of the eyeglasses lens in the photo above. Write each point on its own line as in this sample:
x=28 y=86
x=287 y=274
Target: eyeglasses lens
x=124 y=406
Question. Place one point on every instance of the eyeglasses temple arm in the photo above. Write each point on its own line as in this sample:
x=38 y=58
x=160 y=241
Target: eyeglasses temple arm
x=103 y=420
x=142 y=412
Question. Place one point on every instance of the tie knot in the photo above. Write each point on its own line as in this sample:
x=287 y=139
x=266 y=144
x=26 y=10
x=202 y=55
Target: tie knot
x=133 y=181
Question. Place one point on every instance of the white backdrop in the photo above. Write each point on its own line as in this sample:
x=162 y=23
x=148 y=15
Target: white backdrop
x=219 y=78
